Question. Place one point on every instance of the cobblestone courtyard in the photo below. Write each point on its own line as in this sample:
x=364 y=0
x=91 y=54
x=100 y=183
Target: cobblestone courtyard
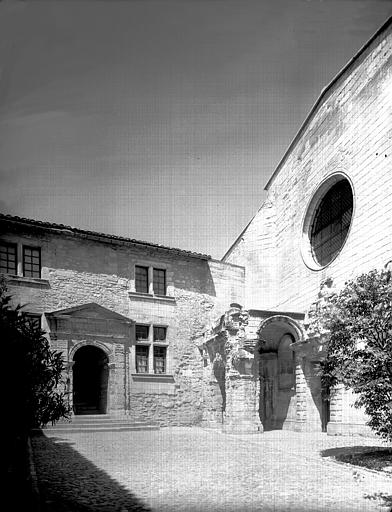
x=191 y=469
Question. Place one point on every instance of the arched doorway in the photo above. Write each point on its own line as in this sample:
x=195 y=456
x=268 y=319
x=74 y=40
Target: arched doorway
x=276 y=368
x=90 y=380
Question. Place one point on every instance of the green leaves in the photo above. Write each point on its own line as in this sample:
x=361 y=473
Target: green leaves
x=359 y=347
x=33 y=372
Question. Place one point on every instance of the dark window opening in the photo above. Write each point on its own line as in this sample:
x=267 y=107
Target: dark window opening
x=31 y=261
x=159 y=281
x=34 y=320
x=331 y=222
x=142 y=332
x=159 y=333
x=141 y=279
x=8 y=258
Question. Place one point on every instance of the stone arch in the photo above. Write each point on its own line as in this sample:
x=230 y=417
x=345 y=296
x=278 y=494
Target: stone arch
x=277 y=403
x=91 y=377
x=98 y=344
x=294 y=327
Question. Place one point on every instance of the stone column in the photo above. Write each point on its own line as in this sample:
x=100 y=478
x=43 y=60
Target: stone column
x=301 y=392
x=242 y=387
x=69 y=384
x=334 y=426
x=241 y=414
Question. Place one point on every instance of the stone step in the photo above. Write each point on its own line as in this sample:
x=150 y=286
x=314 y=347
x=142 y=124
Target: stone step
x=116 y=423
x=101 y=422
x=99 y=428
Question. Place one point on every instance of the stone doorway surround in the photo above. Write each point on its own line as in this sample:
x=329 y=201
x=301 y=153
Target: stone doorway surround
x=237 y=387
x=96 y=326
x=279 y=371
x=90 y=378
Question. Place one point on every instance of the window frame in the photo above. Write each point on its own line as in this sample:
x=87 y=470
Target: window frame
x=156 y=358
x=146 y=288
x=152 y=284
x=10 y=245
x=139 y=348
x=329 y=228
x=309 y=214
x=157 y=339
x=24 y=263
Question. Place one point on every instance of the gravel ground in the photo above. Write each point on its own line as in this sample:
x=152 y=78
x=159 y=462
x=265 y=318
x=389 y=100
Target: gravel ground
x=192 y=469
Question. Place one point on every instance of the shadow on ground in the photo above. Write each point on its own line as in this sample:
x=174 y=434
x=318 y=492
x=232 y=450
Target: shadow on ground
x=370 y=457
x=68 y=482
x=347 y=451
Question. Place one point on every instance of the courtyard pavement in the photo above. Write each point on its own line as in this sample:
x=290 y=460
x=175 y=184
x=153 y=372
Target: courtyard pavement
x=182 y=469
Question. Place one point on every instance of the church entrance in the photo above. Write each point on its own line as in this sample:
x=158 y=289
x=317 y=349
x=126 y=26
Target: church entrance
x=276 y=370
x=90 y=380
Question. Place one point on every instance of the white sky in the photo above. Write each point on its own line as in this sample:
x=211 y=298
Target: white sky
x=162 y=120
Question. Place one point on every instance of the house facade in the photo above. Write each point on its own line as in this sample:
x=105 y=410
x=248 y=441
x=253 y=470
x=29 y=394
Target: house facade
x=125 y=315
x=162 y=334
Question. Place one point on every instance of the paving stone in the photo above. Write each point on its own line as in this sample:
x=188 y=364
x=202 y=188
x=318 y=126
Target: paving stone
x=192 y=469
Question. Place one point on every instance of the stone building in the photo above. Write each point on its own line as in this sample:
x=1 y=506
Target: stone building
x=124 y=313
x=162 y=334
x=327 y=218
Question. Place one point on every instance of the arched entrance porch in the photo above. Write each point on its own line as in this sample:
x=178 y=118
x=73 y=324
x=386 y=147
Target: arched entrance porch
x=276 y=364
x=90 y=380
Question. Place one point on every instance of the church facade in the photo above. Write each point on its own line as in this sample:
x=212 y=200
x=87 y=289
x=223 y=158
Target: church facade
x=161 y=334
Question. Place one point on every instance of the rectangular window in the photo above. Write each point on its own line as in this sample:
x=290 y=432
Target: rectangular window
x=141 y=279
x=34 y=320
x=142 y=332
x=159 y=359
x=159 y=281
x=31 y=261
x=159 y=333
x=142 y=358
x=8 y=258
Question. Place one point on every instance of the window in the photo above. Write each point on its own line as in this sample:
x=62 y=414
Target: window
x=141 y=279
x=142 y=358
x=150 y=280
x=327 y=221
x=142 y=332
x=8 y=258
x=159 y=281
x=31 y=261
x=34 y=320
x=159 y=359
x=151 y=349
x=159 y=333
x=331 y=222
x=20 y=260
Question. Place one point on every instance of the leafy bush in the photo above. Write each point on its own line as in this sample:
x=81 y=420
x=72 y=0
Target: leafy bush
x=359 y=348
x=33 y=371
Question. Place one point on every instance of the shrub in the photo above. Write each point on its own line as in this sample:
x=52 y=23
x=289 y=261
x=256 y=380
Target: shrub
x=359 y=346
x=33 y=371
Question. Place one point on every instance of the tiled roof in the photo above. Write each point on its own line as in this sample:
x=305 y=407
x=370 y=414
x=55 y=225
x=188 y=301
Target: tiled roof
x=84 y=233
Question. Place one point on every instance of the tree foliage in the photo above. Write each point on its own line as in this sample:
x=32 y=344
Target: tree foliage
x=33 y=371
x=359 y=347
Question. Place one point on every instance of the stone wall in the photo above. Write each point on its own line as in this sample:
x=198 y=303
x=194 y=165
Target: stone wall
x=349 y=132
x=78 y=271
